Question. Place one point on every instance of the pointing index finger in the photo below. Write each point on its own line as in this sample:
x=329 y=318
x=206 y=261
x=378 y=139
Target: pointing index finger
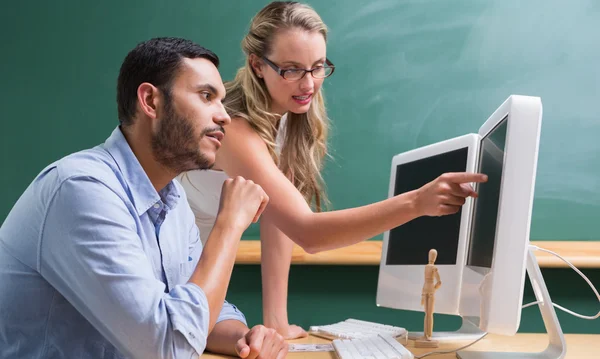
x=465 y=177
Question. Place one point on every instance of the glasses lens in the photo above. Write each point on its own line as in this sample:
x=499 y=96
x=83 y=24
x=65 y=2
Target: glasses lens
x=322 y=72
x=294 y=74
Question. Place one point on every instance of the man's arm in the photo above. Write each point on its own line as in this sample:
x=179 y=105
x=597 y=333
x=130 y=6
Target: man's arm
x=225 y=335
x=242 y=202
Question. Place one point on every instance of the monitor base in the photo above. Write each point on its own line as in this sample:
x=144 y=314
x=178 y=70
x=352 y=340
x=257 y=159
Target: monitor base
x=467 y=331
x=557 y=346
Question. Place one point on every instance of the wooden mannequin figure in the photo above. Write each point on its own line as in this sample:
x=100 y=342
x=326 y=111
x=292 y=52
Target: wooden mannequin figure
x=428 y=301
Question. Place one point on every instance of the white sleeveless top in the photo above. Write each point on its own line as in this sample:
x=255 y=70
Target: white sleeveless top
x=203 y=189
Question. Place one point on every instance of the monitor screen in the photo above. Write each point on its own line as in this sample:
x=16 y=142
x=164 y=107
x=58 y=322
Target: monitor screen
x=485 y=214
x=409 y=244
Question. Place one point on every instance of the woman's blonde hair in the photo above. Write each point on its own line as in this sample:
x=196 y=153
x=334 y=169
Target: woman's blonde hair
x=305 y=146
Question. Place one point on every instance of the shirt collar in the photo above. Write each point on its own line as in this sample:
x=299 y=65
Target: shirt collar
x=142 y=191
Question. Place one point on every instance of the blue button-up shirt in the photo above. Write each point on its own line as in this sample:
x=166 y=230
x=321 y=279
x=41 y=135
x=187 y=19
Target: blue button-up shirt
x=94 y=263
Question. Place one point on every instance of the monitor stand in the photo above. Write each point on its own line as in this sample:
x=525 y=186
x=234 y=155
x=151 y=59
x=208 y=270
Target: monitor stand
x=557 y=347
x=467 y=331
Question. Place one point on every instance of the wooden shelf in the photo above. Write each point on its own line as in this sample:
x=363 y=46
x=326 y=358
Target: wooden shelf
x=582 y=254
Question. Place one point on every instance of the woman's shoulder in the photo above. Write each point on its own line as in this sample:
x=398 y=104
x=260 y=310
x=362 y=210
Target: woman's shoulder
x=242 y=148
x=240 y=123
x=242 y=132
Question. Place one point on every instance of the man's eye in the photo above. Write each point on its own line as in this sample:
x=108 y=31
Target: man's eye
x=207 y=96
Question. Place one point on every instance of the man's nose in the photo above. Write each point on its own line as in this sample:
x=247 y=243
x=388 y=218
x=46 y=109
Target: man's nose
x=221 y=117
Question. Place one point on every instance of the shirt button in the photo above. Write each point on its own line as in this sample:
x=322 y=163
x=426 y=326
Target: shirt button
x=156 y=205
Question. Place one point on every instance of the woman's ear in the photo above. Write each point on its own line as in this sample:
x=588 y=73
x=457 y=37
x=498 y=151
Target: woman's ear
x=256 y=64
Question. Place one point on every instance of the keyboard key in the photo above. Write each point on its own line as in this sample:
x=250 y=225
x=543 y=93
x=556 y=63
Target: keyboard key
x=382 y=346
x=354 y=328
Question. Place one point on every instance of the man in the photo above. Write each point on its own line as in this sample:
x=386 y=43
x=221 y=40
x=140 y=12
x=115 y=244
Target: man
x=101 y=258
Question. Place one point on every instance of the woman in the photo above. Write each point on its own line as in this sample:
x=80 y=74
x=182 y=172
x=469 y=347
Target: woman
x=277 y=138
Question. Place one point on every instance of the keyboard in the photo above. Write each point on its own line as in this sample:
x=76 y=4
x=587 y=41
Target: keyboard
x=382 y=346
x=354 y=329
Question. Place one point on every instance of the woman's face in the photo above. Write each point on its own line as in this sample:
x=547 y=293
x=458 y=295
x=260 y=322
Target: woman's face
x=292 y=49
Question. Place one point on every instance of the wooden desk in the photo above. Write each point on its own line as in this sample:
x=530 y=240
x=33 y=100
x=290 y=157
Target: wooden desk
x=582 y=254
x=579 y=346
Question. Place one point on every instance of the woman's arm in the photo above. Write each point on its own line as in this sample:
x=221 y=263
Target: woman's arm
x=245 y=154
x=276 y=256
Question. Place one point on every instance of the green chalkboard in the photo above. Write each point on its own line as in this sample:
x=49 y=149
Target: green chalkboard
x=408 y=73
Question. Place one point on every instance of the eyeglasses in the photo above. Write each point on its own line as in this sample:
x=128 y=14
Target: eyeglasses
x=319 y=72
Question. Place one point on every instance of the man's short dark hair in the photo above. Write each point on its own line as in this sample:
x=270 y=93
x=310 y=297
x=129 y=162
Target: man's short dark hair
x=155 y=61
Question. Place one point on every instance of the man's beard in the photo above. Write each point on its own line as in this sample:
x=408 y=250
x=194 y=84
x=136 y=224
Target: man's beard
x=174 y=145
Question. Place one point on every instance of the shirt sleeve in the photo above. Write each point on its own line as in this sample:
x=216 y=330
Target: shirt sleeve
x=230 y=311
x=91 y=253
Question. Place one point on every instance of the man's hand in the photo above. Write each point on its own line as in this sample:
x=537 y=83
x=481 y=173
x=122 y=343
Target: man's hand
x=242 y=202
x=446 y=194
x=262 y=343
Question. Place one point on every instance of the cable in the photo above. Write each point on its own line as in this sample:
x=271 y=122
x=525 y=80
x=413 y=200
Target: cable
x=578 y=272
x=450 y=351
x=533 y=303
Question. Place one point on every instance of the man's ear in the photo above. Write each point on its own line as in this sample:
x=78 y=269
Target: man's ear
x=148 y=98
x=256 y=64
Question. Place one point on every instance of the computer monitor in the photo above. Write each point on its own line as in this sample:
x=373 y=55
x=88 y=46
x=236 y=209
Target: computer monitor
x=406 y=248
x=499 y=236
x=496 y=253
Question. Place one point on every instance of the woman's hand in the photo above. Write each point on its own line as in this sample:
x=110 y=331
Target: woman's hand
x=446 y=194
x=293 y=332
